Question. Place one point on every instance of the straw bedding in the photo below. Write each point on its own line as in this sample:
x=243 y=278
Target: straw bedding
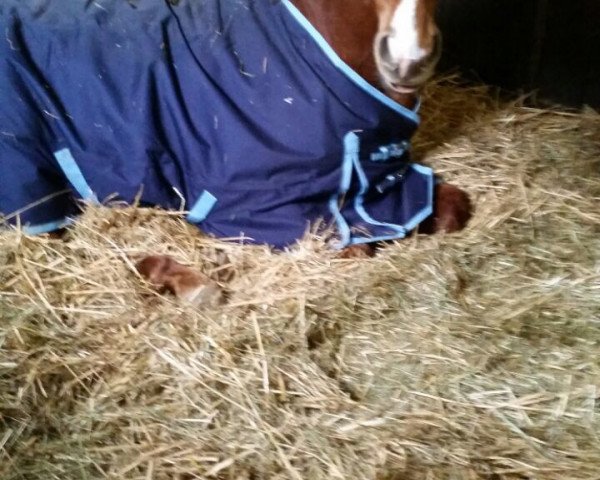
x=466 y=356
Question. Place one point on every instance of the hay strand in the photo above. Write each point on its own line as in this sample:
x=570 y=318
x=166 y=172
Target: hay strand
x=468 y=356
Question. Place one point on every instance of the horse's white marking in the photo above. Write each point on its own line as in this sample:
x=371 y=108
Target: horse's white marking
x=403 y=42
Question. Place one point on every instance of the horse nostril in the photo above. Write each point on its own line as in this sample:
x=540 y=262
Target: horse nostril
x=403 y=67
x=394 y=61
x=384 y=53
x=396 y=67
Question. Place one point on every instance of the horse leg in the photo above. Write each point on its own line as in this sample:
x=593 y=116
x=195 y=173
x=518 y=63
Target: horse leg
x=451 y=210
x=364 y=250
x=165 y=274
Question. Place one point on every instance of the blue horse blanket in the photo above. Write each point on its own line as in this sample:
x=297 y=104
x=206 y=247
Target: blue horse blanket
x=237 y=111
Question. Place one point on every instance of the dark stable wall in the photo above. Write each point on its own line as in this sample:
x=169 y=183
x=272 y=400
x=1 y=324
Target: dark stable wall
x=551 y=47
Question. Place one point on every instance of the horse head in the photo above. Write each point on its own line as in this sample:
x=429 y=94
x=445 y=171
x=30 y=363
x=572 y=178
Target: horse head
x=394 y=44
x=407 y=45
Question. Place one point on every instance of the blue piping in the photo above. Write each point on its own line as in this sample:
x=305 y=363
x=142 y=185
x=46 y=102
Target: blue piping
x=73 y=173
x=360 y=198
x=205 y=203
x=47 y=227
x=428 y=210
x=351 y=150
x=341 y=222
x=345 y=68
x=351 y=162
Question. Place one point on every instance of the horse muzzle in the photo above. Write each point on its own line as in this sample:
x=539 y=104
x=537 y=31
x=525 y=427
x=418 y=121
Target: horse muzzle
x=405 y=75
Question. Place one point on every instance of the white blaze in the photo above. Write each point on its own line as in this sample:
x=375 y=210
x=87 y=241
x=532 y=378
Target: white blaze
x=403 y=42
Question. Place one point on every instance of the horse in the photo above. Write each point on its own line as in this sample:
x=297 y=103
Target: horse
x=373 y=57
x=394 y=45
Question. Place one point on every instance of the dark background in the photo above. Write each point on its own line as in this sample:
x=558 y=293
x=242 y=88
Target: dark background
x=551 y=47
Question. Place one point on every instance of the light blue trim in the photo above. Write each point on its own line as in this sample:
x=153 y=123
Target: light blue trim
x=351 y=162
x=381 y=238
x=47 y=227
x=202 y=207
x=351 y=150
x=341 y=222
x=345 y=68
x=428 y=210
x=360 y=199
x=73 y=173
x=416 y=219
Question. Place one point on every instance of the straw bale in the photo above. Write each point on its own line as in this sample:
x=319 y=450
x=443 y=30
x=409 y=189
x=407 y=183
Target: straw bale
x=467 y=356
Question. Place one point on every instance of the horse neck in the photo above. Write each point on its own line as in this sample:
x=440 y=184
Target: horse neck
x=350 y=27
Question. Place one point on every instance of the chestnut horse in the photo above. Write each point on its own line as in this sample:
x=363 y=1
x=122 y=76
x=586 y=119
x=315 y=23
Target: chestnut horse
x=158 y=95
x=394 y=45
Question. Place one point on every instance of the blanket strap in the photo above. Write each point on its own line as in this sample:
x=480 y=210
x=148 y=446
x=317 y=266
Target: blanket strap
x=73 y=173
x=202 y=207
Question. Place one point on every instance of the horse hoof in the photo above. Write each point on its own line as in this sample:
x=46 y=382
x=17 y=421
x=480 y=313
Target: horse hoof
x=451 y=210
x=165 y=274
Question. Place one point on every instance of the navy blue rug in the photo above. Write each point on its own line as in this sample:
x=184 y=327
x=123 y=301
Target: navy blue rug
x=236 y=111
